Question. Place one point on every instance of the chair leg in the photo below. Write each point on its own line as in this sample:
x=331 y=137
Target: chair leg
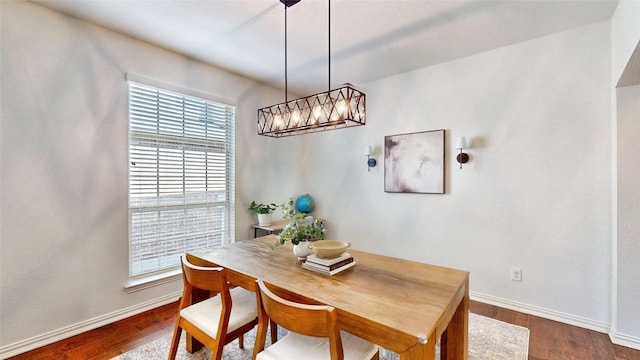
x=174 y=342
x=274 y=331
x=241 y=341
x=261 y=338
x=216 y=353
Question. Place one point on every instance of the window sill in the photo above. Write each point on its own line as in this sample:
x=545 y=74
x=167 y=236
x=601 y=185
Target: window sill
x=153 y=280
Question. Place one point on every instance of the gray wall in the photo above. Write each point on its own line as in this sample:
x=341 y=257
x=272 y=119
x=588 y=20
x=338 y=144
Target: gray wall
x=625 y=29
x=64 y=173
x=535 y=195
x=628 y=228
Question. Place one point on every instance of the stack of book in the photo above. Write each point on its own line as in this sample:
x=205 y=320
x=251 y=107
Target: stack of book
x=328 y=266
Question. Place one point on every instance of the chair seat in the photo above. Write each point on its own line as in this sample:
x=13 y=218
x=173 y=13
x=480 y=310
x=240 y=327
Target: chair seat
x=296 y=346
x=205 y=314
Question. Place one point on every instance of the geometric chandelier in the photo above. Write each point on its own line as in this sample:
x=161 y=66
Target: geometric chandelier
x=333 y=109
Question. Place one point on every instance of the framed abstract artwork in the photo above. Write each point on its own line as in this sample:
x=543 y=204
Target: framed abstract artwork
x=414 y=163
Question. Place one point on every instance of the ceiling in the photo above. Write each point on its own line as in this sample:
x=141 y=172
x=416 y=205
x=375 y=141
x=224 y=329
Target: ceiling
x=370 y=39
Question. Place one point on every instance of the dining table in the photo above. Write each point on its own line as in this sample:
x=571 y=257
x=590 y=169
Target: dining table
x=402 y=305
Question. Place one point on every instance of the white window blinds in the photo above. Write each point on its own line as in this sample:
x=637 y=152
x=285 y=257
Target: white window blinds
x=181 y=154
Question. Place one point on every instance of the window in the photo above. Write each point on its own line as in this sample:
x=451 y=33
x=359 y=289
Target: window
x=181 y=182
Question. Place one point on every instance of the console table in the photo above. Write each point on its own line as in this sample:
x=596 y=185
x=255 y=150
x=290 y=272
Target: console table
x=274 y=228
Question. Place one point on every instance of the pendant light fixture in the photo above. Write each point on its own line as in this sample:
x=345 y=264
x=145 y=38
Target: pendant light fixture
x=333 y=109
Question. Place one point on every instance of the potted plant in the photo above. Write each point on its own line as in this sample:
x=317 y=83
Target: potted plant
x=264 y=212
x=300 y=229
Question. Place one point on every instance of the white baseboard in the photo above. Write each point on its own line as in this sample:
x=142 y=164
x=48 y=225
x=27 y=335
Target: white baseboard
x=542 y=312
x=625 y=340
x=75 y=329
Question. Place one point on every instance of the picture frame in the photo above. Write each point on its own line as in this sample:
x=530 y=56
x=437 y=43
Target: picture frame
x=414 y=162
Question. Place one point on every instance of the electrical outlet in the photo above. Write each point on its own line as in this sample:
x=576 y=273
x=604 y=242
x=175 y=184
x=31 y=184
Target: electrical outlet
x=516 y=274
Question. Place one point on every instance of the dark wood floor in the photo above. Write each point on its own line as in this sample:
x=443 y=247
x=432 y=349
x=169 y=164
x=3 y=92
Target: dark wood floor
x=548 y=339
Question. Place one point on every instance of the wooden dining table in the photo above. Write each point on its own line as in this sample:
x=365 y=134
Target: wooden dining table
x=404 y=306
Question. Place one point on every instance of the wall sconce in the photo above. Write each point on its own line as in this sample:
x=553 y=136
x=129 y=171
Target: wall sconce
x=368 y=152
x=461 y=144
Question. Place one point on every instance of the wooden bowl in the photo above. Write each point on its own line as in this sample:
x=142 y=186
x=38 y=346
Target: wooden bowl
x=329 y=249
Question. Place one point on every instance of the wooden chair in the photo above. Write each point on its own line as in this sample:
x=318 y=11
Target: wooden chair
x=217 y=320
x=313 y=331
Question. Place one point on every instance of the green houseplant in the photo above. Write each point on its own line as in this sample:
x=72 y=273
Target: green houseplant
x=261 y=208
x=299 y=228
x=264 y=212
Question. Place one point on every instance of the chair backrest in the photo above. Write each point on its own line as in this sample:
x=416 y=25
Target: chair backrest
x=306 y=319
x=208 y=278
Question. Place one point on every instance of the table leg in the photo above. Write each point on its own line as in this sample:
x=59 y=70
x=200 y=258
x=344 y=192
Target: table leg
x=454 y=343
x=421 y=351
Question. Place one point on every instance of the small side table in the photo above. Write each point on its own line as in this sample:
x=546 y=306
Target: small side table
x=275 y=227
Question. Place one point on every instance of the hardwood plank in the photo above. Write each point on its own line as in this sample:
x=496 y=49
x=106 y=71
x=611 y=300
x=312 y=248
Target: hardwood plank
x=538 y=346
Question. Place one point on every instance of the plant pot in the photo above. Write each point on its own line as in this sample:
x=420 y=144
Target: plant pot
x=301 y=250
x=264 y=219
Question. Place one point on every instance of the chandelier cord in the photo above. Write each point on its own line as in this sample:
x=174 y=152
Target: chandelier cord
x=329 y=36
x=286 y=92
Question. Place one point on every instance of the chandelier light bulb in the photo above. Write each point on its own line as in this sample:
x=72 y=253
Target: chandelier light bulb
x=277 y=121
x=317 y=112
x=295 y=117
x=341 y=106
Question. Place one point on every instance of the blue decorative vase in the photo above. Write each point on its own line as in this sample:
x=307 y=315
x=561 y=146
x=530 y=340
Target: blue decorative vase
x=305 y=204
